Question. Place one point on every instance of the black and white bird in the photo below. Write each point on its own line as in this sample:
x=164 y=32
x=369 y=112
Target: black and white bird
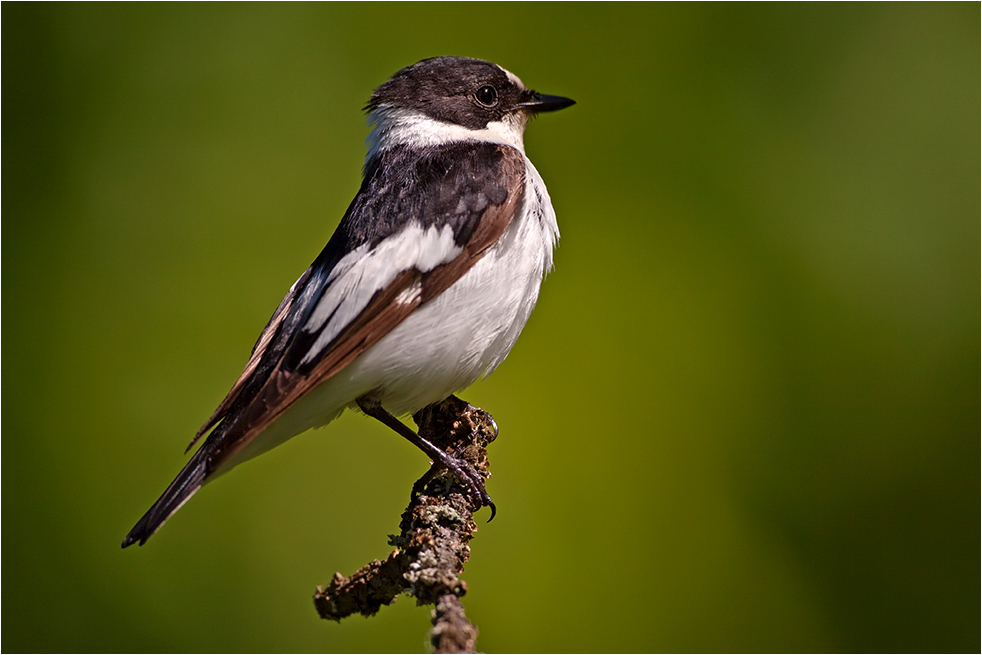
x=423 y=288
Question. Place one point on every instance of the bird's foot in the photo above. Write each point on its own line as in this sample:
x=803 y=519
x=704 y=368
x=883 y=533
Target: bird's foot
x=461 y=432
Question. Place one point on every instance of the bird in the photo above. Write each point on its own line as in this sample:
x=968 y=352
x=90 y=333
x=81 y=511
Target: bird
x=422 y=289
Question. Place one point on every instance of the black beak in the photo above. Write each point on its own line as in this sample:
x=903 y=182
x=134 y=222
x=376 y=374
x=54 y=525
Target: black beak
x=541 y=102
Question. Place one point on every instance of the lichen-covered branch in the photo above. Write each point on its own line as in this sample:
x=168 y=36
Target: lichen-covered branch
x=435 y=531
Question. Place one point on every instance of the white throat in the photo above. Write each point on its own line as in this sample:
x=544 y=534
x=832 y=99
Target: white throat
x=394 y=126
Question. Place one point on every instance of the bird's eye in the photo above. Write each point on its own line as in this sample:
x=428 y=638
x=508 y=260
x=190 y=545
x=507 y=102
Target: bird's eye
x=487 y=96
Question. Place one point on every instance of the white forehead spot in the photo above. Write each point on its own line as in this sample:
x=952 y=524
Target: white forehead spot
x=512 y=77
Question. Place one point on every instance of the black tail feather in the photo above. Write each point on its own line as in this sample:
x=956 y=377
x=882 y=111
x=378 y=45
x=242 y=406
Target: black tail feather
x=187 y=482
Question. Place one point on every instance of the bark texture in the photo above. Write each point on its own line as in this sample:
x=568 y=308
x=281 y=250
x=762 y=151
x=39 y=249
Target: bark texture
x=433 y=542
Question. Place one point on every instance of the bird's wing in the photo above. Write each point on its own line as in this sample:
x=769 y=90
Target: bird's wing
x=415 y=227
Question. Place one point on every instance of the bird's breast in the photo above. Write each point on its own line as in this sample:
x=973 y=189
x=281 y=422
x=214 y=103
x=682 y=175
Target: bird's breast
x=469 y=329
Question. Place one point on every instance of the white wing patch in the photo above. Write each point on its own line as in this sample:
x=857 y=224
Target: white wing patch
x=363 y=272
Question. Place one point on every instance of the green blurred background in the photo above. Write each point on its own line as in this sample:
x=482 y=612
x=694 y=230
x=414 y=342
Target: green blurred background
x=744 y=416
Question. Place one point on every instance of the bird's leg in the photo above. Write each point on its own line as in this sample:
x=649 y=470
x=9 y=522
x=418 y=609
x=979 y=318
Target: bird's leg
x=460 y=467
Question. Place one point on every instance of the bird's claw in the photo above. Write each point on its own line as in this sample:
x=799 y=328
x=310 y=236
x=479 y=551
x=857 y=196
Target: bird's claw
x=464 y=472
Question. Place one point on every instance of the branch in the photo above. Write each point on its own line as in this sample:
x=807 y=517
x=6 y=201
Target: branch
x=435 y=530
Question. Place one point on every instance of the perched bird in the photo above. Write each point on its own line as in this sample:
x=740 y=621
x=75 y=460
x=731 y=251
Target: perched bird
x=423 y=288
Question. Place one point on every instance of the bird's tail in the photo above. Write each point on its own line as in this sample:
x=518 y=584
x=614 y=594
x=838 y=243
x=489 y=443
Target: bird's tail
x=187 y=482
